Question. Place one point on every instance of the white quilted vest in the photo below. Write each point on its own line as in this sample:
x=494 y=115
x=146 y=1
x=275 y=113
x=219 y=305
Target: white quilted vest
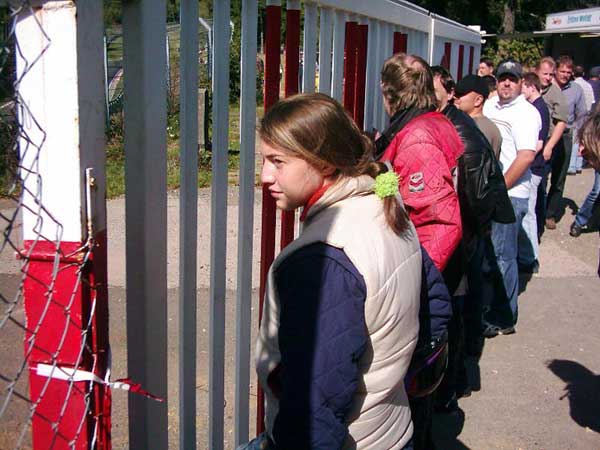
x=350 y=217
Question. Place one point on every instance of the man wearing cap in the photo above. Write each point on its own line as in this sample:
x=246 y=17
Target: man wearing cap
x=469 y=96
x=519 y=124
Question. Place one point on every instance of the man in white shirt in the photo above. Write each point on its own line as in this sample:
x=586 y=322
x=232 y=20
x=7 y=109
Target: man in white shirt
x=519 y=124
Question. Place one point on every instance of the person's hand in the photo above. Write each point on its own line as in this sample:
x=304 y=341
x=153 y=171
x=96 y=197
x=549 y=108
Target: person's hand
x=547 y=153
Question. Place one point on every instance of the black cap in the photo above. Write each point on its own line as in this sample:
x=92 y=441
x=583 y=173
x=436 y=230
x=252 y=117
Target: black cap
x=511 y=68
x=472 y=83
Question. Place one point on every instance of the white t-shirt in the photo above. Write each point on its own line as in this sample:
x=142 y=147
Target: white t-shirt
x=519 y=123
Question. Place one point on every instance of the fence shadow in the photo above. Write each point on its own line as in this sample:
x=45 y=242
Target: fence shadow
x=582 y=389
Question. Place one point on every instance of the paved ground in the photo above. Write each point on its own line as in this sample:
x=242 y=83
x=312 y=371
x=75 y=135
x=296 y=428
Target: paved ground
x=538 y=389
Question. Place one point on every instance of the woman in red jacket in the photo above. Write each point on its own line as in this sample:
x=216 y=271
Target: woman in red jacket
x=423 y=147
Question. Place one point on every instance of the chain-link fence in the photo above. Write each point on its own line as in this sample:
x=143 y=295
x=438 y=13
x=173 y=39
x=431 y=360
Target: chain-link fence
x=53 y=340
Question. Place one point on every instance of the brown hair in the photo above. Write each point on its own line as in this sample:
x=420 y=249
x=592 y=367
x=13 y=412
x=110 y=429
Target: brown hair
x=407 y=81
x=565 y=60
x=316 y=128
x=589 y=138
x=445 y=78
x=531 y=79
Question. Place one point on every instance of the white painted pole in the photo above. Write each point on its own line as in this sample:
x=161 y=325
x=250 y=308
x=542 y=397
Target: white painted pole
x=431 y=40
x=144 y=32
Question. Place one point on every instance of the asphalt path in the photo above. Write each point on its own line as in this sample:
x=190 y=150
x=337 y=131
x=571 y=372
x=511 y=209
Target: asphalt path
x=538 y=389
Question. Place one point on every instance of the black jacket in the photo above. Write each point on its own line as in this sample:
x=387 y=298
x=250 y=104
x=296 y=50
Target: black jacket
x=481 y=189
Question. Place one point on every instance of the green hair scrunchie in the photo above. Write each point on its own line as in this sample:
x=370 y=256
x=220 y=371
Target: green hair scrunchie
x=386 y=184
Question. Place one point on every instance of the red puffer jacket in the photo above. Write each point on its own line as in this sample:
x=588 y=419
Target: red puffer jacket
x=423 y=154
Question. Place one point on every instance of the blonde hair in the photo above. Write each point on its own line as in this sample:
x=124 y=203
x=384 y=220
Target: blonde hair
x=407 y=81
x=546 y=60
x=316 y=128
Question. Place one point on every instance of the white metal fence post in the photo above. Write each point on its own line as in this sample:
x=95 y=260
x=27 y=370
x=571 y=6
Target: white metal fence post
x=245 y=219
x=188 y=221
x=220 y=114
x=309 y=47
x=144 y=62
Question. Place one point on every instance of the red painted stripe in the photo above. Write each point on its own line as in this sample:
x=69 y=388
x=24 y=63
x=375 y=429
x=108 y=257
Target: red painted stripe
x=471 y=57
x=361 y=73
x=292 y=67
x=292 y=51
x=400 y=42
x=447 y=55
x=461 y=61
x=350 y=66
x=59 y=305
x=267 y=241
x=272 y=55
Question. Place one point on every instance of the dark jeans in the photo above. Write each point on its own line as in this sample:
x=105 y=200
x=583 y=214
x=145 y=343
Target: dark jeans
x=421 y=411
x=473 y=307
x=542 y=201
x=455 y=382
x=561 y=156
x=504 y=304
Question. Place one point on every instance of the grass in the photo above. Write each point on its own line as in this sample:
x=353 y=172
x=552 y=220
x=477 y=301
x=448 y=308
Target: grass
x=115 y=155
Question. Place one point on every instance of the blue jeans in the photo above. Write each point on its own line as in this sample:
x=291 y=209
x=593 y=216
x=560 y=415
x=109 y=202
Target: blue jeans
x=585 y=212
x=576 y=162
x=528 y=234
x=505 y=240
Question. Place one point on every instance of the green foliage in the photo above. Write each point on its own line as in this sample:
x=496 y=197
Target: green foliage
x=527 y=51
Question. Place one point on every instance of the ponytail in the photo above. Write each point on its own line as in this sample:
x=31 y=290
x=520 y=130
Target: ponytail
x=395 y=215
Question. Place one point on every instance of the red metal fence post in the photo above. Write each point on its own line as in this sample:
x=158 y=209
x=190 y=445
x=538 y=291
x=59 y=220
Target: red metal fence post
x=271 y=95
x=400 y=42
x=292 y=67
x=361 y=74
x=471 y=55
x=461 y=61
x=350 y=66
x=445 y=63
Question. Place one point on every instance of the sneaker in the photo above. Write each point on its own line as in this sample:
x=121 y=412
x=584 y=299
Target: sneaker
x=579 y=171
x=551 y=223
x=571 y=172
x=576 y=229
x=492 y=331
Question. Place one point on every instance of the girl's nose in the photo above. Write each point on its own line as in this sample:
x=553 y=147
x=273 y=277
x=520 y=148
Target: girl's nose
x=266 y=174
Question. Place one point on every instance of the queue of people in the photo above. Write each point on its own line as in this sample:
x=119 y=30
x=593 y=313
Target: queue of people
x=411 y=244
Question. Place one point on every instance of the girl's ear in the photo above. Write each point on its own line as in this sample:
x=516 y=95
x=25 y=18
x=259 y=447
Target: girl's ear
x=329 y=171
